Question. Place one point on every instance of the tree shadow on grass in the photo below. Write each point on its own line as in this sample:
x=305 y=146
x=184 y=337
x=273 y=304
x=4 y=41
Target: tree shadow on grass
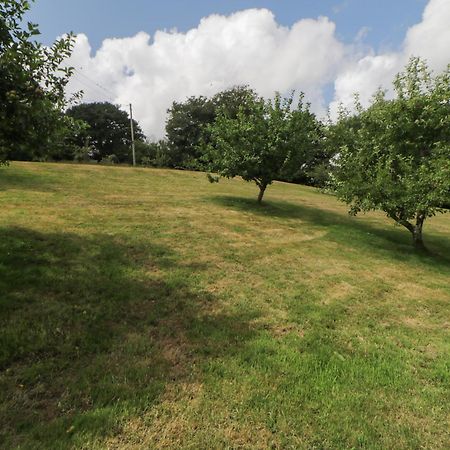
x=25 y=180
x=355 y=232
x=94 y=328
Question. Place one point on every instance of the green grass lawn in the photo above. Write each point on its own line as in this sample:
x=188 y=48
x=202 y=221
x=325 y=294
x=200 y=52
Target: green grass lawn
x=146 y=308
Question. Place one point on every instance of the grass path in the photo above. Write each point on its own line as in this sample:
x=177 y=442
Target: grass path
x=146 y=308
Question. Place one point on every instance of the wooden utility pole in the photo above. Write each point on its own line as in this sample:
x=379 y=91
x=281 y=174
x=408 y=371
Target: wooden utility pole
x=132 y=135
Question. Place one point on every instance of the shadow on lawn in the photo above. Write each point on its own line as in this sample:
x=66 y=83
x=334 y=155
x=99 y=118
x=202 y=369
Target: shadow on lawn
x=351 y=231
x=90 y=326
x=24 y=180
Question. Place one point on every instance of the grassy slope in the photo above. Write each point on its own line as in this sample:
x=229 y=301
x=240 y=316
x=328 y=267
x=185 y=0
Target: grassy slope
x=148 y=309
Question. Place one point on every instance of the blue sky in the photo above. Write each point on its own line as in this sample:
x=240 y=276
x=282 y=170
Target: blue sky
x=386 y=20
x=151 y=53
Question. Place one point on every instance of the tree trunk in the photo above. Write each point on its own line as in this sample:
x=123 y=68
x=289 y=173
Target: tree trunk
x=262 y=189
x=417 y=232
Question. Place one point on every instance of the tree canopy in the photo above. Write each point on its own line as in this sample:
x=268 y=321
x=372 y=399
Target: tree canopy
x=108 y=131
x=185 y=131
x=187 y=126
x=265 y=141
x=32 y=82
x=398 y=157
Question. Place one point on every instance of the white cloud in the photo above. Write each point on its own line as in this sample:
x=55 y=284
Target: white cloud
x=429 y=39
x=338 y=8
x=248 y=47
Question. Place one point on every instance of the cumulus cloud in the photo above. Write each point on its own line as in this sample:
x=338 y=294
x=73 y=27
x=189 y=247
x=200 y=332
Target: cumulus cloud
x=429 y=39
x=247 y=47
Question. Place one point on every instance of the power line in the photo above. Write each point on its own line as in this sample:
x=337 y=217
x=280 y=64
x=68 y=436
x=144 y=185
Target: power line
x=97 y=86
x=93 y=89
x=111 y=96
x=95 y=82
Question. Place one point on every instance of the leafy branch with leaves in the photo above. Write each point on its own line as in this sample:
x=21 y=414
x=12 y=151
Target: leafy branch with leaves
x=398 y=158
x=32 y=85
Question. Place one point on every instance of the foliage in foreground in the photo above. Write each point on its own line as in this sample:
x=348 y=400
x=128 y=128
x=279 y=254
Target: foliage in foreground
x=32 y=82
x=396 y=153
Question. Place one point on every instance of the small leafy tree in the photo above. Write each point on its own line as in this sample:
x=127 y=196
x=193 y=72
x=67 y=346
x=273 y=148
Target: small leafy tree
x=32 y=82
x=398 y=157
x=264 y=141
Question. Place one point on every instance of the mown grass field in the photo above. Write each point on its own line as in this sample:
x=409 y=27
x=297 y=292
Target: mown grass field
x=150 y=309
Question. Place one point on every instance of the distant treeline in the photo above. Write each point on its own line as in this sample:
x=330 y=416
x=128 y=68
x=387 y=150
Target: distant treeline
x=100 y=132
